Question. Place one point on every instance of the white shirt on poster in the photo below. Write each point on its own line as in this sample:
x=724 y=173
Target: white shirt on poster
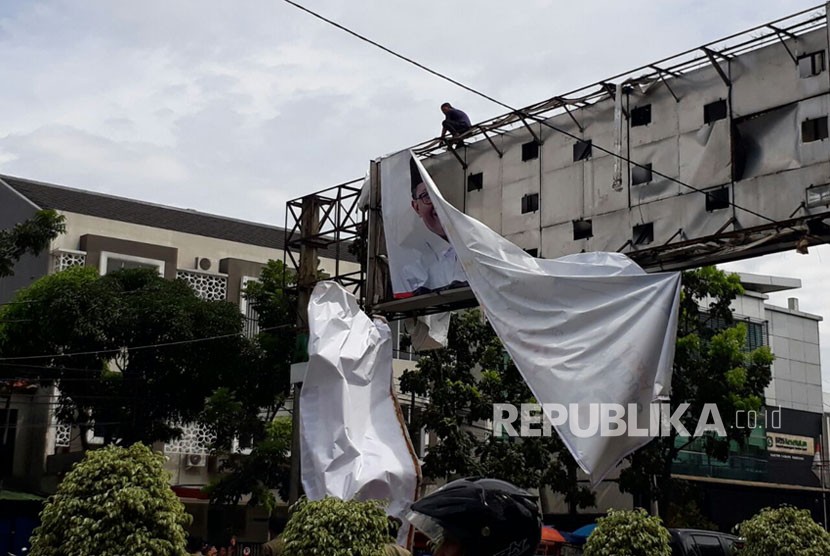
x=438 y=268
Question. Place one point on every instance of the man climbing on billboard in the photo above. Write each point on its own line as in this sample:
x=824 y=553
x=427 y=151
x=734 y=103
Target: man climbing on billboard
x=457 y=123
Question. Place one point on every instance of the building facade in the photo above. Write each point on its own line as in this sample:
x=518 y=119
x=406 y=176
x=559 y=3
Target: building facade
x=215 y=255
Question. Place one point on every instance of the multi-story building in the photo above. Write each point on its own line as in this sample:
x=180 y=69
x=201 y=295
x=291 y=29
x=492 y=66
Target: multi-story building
x=214 y=254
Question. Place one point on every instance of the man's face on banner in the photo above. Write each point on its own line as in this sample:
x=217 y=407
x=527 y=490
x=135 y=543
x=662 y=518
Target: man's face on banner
x=422 y=205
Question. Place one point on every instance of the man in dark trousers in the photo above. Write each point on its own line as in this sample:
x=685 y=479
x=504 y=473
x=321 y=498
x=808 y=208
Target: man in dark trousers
x=457 y=123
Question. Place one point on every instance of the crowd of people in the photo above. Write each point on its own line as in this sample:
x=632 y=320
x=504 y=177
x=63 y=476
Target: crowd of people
x=198 y=547
x=467 y=517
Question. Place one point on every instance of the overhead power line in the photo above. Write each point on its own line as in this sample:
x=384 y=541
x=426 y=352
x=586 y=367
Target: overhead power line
x=137 y=348
x=512 y=109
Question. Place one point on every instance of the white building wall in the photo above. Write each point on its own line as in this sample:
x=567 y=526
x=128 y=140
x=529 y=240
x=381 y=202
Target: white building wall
x=190 y=246
x=796 y=370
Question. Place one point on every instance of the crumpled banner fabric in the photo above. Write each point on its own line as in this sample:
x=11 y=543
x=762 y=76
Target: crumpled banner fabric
x=352 y=440
x=583 y=329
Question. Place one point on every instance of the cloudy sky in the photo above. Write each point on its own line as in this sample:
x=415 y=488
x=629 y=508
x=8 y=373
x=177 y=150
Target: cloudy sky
x=236 y=107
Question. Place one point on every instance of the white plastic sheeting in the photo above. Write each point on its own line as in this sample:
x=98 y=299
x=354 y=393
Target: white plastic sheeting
x=353 y=440
x=585 y=329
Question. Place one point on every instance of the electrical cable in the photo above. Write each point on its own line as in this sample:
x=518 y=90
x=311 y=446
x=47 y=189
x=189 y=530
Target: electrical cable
x=519 y=112
x=137 y=348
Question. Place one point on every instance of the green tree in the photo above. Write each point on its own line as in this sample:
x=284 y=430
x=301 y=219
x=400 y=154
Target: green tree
x=29 y=237
x=116 y=500
x=336 y=528
x=136 y=362
x=784 y=531
x=712 y=365
x=258 y=473
x=629 y=533
x=245 y=408
x=462 y=382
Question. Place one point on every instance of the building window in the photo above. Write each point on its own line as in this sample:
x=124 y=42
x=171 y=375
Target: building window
x=714 y=111
x=583 y=229
x=530 y=203
x=112 y=262
x=717 y=199
x=643 y=234
x=641 y=174
x=756 y=335
x=250 y=324
x=641 y=116
x=530 y=150
x=475 y=181
x=811 y=64
x=814 y=130
x=582 y=150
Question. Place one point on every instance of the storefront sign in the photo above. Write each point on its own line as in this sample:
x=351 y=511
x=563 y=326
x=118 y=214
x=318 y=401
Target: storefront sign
x=790 y=444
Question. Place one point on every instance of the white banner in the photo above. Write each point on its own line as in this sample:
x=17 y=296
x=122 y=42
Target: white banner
x=585 y=329
x=354 y=443
x=421 y=258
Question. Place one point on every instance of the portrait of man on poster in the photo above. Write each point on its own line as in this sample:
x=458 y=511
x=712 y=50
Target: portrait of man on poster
x=441 y=268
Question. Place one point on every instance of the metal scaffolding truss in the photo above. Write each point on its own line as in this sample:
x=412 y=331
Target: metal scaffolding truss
x=326 y=224
x=710 y=54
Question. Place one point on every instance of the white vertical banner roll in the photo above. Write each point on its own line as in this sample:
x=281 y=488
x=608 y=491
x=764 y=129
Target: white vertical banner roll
x=353 y=440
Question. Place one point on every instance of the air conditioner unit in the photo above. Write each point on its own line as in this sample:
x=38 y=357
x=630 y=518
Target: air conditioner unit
x=202 y=263
x=196 y=460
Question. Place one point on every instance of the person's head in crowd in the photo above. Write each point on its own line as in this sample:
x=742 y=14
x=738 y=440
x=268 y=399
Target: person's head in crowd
x=422 y=204
x=479 y=517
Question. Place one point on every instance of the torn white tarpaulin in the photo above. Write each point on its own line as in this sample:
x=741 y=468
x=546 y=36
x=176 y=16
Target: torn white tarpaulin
x=353 y=440
x=585 y=329
x=428 y=332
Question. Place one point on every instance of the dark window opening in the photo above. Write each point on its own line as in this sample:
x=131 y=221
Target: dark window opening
x=643 y=234
x=714 y=111
x=475 y=181
x=641 y=116
x=582 y=150
x=530 y=150
x=532 y=252
x=641 y=174
x=814 y=130
x=583 y=229
x=530 y=203
x=811 y=64
x=717 y=199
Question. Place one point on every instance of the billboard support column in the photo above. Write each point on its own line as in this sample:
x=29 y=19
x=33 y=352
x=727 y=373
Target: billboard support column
x=306 y=279
x=376 y=277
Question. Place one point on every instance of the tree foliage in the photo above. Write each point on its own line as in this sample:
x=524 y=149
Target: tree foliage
x=712 y=365
x=629 y=533
x=336 y=528
x=462 y=383
x=246 y=407
x=116 y=500
x=265 y=469
x=29 y=237
x=784 y=531
x=115 y=373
